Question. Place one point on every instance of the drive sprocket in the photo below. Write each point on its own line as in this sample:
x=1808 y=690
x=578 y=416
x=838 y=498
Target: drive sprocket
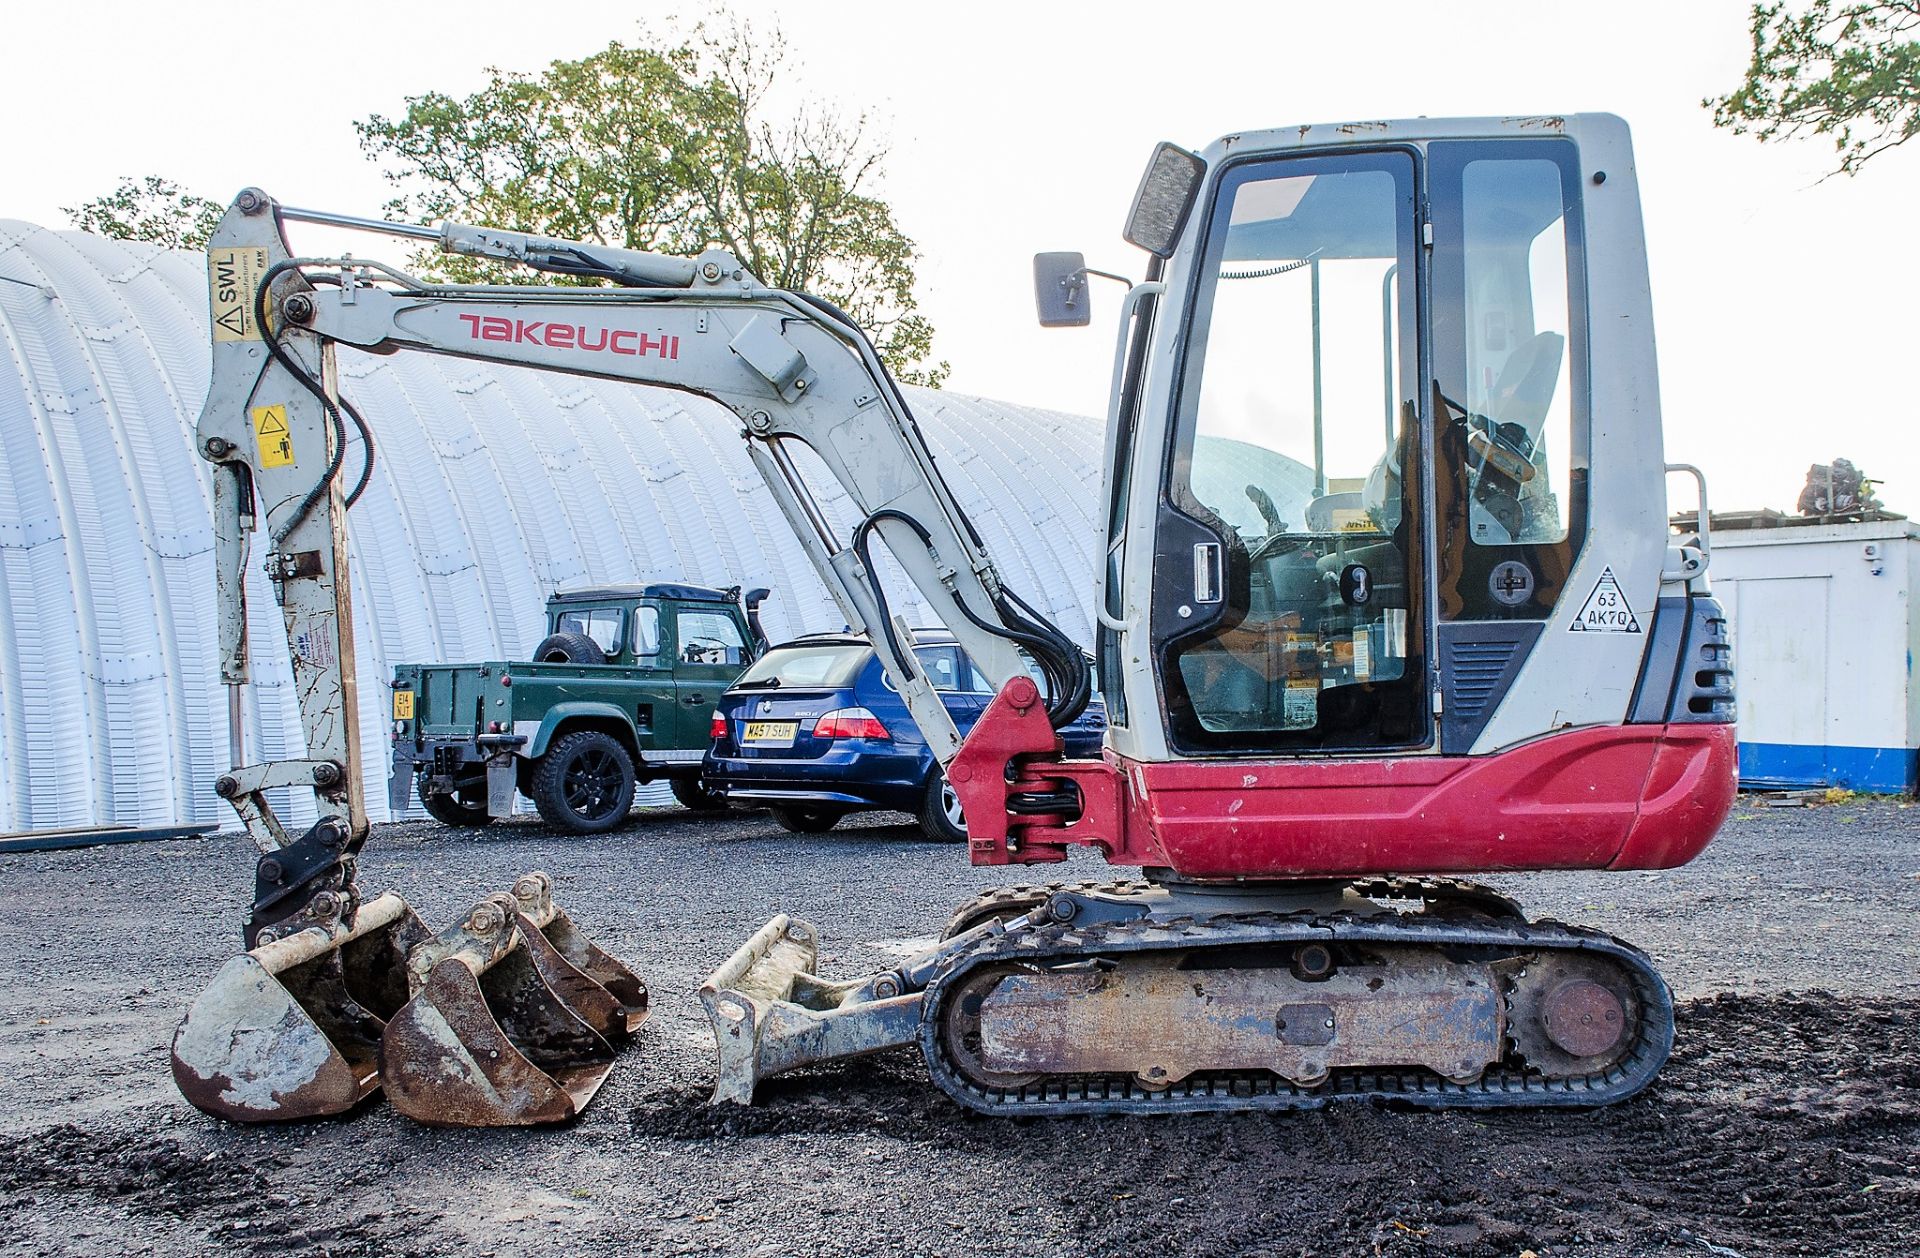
x=1570 y=1013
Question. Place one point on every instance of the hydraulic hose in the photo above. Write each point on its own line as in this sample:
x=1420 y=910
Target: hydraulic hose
x=1061 y=661
x=1069 y=681
x=298 y=371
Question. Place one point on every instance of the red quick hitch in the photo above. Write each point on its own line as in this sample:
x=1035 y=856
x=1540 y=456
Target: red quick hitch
x=851 y=723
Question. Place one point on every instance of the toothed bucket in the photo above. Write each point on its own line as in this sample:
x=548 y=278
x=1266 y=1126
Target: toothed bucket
x=291 y=1029
x=505 y=1027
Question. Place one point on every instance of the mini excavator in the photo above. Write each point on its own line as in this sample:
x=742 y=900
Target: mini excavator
x=1389 y=598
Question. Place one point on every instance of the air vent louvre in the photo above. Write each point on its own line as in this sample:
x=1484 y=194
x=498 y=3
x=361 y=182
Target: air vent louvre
x=1474 y=670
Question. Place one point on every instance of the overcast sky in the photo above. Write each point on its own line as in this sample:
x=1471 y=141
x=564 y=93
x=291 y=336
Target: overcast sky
x=1784 y=301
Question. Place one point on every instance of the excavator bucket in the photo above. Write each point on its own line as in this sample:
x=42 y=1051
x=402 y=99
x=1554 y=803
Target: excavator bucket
x=514 y=1019
x=772 y=1014
x=291 y=1029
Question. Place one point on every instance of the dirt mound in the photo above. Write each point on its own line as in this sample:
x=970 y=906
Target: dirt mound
x=1783 y=1125
x=232 y=1198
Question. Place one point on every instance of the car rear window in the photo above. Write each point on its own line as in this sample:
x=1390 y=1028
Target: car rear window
x=825 y=666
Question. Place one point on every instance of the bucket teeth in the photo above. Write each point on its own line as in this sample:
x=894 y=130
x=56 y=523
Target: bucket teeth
x=513 y=1020
x=771 y=1014
x=628 y=992
x=290 y=1029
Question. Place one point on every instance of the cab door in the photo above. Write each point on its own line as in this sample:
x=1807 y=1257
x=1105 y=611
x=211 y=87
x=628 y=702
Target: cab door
x=709 y=651
x=656 y=706
x=1291 y=595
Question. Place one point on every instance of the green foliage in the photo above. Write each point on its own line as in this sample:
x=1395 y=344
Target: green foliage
x=1849 y=71
x=667 y=148
x=151 y=209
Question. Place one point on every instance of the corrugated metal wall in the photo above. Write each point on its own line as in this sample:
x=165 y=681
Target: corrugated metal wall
x=494 y=486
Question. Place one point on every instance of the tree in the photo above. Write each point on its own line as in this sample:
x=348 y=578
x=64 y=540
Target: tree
x=668 y=148
x=1850 y=71
x=151 y=209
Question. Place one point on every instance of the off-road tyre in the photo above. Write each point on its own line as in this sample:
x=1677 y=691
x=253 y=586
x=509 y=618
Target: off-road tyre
x=940 y=814
x=798 y=819
x=584 y=784
x=465 y=807
x=693 y=795
x=568 y=648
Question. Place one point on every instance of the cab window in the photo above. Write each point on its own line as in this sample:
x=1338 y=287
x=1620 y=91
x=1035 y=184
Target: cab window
x=1294 y=445
x=944 y=668
x=602 y=624
x=710 y=638
x=1509 y=375
x=646 y=631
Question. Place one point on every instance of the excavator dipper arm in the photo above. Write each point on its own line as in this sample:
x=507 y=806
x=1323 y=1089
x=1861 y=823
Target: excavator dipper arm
x=278 y=442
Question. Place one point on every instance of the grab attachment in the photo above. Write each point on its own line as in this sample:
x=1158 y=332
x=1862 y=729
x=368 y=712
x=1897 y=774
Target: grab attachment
x=290 y=1029
x=771 y=1014
x=514 y=1018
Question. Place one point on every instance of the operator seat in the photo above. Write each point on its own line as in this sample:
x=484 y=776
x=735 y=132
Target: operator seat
x=1524 y=393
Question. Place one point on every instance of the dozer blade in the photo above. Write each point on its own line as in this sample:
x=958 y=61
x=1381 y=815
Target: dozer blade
x=513 y=1019
x=291 y=1029
x=771 y=1014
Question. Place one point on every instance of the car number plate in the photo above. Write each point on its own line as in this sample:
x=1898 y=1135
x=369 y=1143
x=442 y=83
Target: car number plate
x=403 y=705
x=780 y=732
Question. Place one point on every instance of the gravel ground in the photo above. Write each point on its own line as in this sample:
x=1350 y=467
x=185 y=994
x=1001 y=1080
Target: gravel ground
x=1788 y=1121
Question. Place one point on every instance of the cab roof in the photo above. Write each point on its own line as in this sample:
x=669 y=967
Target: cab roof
x=934 y=636
x=659 y=589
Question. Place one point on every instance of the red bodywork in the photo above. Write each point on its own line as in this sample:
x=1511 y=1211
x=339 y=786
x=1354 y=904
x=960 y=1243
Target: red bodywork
x=1618 y=797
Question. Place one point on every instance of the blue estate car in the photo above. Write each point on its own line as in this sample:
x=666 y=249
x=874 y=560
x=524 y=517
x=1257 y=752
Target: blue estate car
x=814 y=731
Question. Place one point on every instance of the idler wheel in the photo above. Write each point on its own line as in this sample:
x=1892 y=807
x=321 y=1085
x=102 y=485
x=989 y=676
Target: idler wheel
x=1582 y=1018
x=961 y=1026
x=1570 y=1014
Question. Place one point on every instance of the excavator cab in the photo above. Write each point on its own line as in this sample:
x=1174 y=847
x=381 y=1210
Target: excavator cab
x=1373 y=430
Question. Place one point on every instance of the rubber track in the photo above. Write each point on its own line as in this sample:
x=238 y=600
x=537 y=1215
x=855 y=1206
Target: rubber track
x=1022 y=896
x=1503 y=1086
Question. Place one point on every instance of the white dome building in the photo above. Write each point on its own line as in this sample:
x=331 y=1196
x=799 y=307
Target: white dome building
x=494 y=486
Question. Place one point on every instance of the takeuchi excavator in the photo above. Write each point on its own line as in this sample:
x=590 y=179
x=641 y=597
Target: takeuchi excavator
x=1389 y=597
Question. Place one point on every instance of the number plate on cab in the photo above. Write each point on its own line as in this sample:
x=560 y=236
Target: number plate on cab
x=770 y=733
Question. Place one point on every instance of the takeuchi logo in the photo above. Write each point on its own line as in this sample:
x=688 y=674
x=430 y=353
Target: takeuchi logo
x=570 y=336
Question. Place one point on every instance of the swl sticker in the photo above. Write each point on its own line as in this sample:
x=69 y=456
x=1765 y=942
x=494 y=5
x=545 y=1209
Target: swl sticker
x=233 y=275
x=1605 y=610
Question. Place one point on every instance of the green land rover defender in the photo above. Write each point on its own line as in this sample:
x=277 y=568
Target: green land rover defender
x=621 y=691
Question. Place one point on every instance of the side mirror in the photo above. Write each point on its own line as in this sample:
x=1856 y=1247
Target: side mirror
x=1165 y=198
x=1060 y=290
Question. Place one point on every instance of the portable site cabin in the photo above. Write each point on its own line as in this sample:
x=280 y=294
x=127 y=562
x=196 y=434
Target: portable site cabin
x=1824 y=638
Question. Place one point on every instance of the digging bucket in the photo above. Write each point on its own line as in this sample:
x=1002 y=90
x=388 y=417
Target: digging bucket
x=772 y=1014
x=514 y=1018
x=291 y=1028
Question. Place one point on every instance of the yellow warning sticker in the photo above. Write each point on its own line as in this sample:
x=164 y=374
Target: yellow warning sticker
x=403 y=705
x=270 y=430
x=233 y=276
